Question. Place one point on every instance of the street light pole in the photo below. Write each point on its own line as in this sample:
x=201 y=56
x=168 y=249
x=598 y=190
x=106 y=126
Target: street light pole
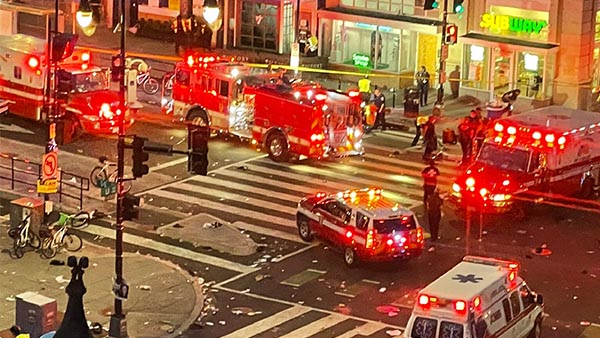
x=443 y=46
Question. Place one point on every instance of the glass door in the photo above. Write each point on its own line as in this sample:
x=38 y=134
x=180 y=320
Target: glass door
x=502 y=72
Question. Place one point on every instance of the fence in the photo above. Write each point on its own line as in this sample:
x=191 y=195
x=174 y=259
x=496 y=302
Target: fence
x=25 y=173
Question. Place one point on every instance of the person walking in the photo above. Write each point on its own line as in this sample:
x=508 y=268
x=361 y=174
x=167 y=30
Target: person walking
x=379 y=102
x=430 y=174
x=430 y=139
x=455 y=81
x=434 y=214
x=422 y=77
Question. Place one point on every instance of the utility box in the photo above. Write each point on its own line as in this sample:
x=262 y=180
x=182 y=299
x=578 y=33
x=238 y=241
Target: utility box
x=35 y=314
x=22 y=207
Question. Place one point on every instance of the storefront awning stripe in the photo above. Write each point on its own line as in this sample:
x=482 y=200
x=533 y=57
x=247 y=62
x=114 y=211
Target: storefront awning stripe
x=413 y=23
x=499 y=41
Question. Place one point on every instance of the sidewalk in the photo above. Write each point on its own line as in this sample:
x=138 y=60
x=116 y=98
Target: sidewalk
x=163 y=299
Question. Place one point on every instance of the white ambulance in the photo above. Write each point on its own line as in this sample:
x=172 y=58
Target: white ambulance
x=478 y=298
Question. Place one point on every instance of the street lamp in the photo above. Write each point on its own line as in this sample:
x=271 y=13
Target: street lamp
x=84 y=14
x=211 y=11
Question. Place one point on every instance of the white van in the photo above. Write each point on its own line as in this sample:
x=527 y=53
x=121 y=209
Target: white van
x=478 y=298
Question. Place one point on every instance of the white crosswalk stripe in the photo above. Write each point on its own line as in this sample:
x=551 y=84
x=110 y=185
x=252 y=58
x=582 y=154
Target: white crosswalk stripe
x=263 y=195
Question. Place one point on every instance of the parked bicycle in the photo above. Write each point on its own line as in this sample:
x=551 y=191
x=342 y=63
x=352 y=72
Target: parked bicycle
x=61 y=238
x=149 y=84
x=107 y=171
x=23 y=236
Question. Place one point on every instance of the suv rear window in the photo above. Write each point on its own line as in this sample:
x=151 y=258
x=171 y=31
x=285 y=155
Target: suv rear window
x=387 y=226
x=451 y=330
x=424 y=328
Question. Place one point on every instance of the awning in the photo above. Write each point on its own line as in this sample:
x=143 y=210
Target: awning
x=503 y=42
x=413 y=23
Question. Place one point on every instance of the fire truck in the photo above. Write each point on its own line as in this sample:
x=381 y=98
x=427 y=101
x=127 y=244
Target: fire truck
x=285 y=117
x=83 y=97
x=547 y=153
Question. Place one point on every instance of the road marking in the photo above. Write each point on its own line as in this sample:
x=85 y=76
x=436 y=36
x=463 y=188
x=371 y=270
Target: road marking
x=169 y=164
x=15 y=129
x=303 y=277
x=315 y=327
x=291 y=254
x=269 y=322
x=169 y=249
x=292 y=237
x=364 y=330
x=281 y=301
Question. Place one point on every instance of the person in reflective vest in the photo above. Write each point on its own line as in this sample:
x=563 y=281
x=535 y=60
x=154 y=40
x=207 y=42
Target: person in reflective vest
x=313 y=45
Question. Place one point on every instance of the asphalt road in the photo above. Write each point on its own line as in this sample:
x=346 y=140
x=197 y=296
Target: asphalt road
x=568 y=277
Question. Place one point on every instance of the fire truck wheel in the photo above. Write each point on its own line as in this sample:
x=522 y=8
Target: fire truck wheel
x=278 y=148
x=198 y=117
x=350 y=257
x=304 y=228
x=587 y=189
x=536 y=332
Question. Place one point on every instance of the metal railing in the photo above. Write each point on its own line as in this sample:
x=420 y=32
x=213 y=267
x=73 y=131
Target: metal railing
x=26 y=173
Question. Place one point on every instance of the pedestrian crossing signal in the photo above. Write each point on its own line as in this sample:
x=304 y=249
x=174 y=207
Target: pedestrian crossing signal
x=451 y=34
x=431 y=4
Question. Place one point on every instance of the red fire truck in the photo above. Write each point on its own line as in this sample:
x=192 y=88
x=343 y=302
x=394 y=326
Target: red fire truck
x=550 y=153
x=84 y=98
x=286 y=118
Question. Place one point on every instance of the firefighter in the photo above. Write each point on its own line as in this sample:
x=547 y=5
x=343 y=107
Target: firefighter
x=364 y=88
x=434 y=214
x=429 y=174
x=312 y=46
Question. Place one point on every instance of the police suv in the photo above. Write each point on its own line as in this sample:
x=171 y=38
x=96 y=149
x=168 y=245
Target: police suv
x=478 y=298
x=364 y=223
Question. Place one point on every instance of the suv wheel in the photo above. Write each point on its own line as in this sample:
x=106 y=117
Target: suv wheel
x=536 y=332
x=350 y=257
x=304 y=228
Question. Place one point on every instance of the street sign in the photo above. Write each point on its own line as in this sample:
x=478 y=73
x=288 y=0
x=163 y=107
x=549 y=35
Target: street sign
x=107 y=188
x=48 y=186
x=49 y=166
x=295 y=55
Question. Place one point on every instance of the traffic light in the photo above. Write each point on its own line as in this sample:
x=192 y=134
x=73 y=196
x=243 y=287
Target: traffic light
x=431 y=4
x=458 y=6
x=140 y=156
x=130 y=207
x=451 y=34
x=198 y=149
x=63 y=45
x=117 y=68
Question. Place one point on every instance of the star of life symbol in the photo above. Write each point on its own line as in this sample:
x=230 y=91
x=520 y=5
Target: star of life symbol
x=470 y=278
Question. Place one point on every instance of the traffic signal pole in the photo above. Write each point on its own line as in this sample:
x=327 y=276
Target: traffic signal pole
x=442 y=72
x=118 y=325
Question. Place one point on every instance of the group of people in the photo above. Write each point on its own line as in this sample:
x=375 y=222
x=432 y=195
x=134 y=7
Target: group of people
x=376 y=99
x=471 y=133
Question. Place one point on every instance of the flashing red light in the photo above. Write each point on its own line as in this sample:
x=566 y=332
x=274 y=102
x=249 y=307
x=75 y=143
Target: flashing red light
x=423 y=300
x=190 y=60
x=85 y=56
x=513 y=266
x=349 y=234
x=321 y=97
x=470 y=182
x=505 y=182
x=321 y=194
x=512 y=275
x=33 y=62
x=562 y=140
x=498 y=127
x=370 y=241
x=420 y=235
x=390 y=242
x=549 y=138
x=460 y=305
x=353 y=93
x=477 y=302
x=536 y=135
x=511 y=130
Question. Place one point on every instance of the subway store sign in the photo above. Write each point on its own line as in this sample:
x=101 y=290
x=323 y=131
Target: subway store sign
x=507 y=23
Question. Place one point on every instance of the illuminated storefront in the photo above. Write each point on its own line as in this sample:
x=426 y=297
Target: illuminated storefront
x=509 y=50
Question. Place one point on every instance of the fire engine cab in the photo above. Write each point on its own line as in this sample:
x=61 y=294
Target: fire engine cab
x=480 y=297
x=545 y=153
x=285 y=118
x=83 y=94
x=364 y=223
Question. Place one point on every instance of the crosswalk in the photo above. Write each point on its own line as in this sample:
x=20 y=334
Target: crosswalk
x=264 y=194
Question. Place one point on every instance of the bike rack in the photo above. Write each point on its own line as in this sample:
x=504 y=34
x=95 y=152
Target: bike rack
x=27 y=173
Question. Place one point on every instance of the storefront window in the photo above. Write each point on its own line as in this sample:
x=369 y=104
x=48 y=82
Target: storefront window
x=476 y=69
x=287 y=27
x=372 y=47
x=259 y=26
x=400 y=7
x=530 y=74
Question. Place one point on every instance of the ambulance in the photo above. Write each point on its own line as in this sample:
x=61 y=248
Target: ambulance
x=547 y=153
x=480 y=297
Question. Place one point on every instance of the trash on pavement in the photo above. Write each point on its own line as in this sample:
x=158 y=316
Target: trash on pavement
x=393 y=333
x=61 y=279
x=584 y=323
x=145 y=287
x=242 y=310
x=387 y=309
x=382 y=290
x=542 y=250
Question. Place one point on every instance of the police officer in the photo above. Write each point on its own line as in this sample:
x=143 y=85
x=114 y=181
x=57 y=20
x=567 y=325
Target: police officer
x=434 y=214
x=429 y=174
x=422 y=77
x=379 y=102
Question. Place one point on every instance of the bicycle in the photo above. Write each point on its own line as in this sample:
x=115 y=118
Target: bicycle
x=22 y=237
x=107 y=171
x=61 y=238
x=149 y=84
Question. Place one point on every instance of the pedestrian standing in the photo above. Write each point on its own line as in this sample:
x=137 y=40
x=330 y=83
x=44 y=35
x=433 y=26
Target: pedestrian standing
x=430 y=174
x=422 y=77
x=430 y=139
x=179 y=31
x=455 y=81
x=464 y=138
x=434 y=213
x=379 y=102
x=364 y=88
x=475 y=130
